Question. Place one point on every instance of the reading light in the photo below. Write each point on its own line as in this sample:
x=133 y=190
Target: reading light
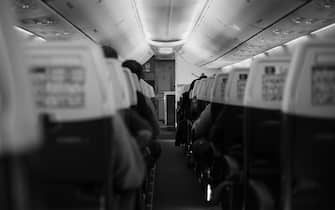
x=165 y=50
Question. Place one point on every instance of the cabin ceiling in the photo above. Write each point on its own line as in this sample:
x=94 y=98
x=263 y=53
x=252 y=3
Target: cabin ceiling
x=208 y=33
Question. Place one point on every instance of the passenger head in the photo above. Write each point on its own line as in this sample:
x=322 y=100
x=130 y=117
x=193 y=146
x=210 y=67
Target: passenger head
x=135 y=67
x=109 y=52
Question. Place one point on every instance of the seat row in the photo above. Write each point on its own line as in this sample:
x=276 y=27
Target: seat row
x=261 y=138
x=65 y=133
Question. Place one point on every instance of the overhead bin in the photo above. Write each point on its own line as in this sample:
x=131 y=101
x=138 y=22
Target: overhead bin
x=231 y=31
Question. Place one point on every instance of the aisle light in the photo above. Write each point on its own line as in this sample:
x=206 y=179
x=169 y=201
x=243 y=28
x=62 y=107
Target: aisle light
x=209 y=192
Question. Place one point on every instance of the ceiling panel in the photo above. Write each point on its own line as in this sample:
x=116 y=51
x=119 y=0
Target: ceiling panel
x=311 y=17
x=34 y=16
x=111 y=22
x=227 y=23
x=168 y=20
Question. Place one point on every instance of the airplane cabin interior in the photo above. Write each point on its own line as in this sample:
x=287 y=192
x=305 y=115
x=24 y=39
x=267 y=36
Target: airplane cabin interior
x=167 y=104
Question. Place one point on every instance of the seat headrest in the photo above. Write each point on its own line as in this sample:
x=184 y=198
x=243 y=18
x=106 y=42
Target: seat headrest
x=151 y=91
x=131 y=84
x=266 y=83
x=219 y=87
x=310 y=86
x=186 y=88
x=136 y=82
x=210 y=85
x=201 y=92
x=19 y=125
x=70 y=80
x=193 y=93
x=236 y=86
x=118 y=83
x=144 y=88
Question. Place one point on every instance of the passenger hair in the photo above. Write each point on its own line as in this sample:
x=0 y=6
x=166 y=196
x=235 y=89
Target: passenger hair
x=109 y=52
x=135 y=67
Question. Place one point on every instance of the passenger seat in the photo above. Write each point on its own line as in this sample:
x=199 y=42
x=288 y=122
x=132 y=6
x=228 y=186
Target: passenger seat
x=308 y=148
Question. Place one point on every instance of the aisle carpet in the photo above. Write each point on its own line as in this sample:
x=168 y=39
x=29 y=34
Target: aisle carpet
x=176 y=187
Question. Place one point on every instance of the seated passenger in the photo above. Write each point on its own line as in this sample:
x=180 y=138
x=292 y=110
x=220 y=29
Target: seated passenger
x=139 y=128
x=146 y=110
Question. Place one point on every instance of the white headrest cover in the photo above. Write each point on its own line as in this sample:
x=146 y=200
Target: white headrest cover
x=193 y=93
x=70 y=80
x=210 y=85
x=136 y=82
x=310 y=86
x=144 y=88
x=131 y=84
x=266 y=83
x=199 y=89
x=202 y=89
x=219 y=87
x=186 y=88
x=19 y=127
x=152 y=91
x=236 y=86
x=118 y=83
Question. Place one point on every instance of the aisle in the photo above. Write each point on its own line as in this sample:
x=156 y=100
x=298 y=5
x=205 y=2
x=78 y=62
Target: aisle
x=176 y=187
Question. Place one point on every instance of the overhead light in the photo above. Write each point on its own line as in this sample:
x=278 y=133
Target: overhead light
x=166 y=44
x=29 y=34
x=24 y=31
x=165 y=50
x=323 y=29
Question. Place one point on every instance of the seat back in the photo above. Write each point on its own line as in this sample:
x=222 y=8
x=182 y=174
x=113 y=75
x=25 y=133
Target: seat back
x=71 y=90
x=19 y=125
x=131 y=84
x=137 y=83
x=119 y=84
x=151 y=91
x=235 y=87
x=193 y=93
x=309 y=128
x=262 y=101
x=145 y=88
x=210 y=85
x=262 y=124
x=232 y=115
x=218 y=90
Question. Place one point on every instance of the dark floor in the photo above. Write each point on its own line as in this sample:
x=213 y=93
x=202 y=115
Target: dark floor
x=176 y=187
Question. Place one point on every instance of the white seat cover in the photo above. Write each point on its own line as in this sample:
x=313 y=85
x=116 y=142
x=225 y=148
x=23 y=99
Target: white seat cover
x=200 y=89
x=136 y=82
x=151 y=91
x=118 y=83
x=70 y=80
x=310 y=86
x=131 y=84
x=19 y=126
x=235 y=88
x=210 y=85
x=193 y=93
x=144 y=88
x=266 y=83
x=218 y=90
